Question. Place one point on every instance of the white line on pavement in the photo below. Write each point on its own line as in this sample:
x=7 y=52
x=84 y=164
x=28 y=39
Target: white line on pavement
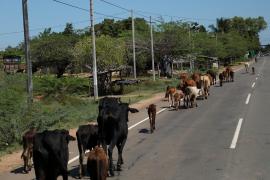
x=253 y=85
x=248 y=98
x=256 y=78
x=131 y=127
x=236 y=134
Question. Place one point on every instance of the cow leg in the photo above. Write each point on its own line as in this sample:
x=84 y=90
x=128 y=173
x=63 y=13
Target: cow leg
x=120 y=147
x=154 y=121
x=28 y=160
x=110 y=152
x=151 y=123
x=81 y=166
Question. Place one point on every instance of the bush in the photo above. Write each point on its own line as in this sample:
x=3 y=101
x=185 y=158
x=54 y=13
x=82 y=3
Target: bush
x=49 y=85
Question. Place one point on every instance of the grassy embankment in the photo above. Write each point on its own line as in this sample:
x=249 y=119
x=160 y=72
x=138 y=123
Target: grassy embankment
x=58 y=103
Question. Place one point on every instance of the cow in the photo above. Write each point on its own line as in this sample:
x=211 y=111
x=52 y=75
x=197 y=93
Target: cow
x=221 y=78
x=152 y=111
x=246 y=64
x=184 y=76
x=191 y=94
x=87 y=139
x=27 y=153
x=213 y=74
x=230 y=73
x=177 y=99
x=206 y=85
x=97 y=164
x=170 y=91
x=197 y=78
x=232 y=76
x=113 y=128
x=50 y=154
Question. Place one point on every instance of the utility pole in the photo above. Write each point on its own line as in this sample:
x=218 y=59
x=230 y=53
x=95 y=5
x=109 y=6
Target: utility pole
x=152 y=50
x=133 y=44
x=94 y=72
x=27 y=53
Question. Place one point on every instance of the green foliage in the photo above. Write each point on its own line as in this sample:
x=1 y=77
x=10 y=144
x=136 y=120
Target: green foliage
x=110 y=52
x=12 y=108
x=49 y=85
x=53 y=50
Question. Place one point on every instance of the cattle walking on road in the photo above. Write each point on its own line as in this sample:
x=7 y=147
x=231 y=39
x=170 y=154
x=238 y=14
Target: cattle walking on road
x=87 y=139
x=27 y=154
x=113 y=128
x=97 y=164
x=152 y=111
x=50 y=154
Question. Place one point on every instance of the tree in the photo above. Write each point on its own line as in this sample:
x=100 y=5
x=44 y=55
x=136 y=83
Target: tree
x=110 y=53
x=53 y=51
x=68 y=29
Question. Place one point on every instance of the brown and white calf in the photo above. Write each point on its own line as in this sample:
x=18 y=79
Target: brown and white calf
x=177 y=99
x=152 y=111
x=27 y=154
x=97 y=164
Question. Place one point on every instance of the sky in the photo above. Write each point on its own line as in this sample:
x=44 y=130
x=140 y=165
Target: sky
x=48 y=13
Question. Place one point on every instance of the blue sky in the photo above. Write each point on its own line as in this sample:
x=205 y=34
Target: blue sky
x=47 y=13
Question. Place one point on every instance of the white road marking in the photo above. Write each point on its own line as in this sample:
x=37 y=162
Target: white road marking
x=131 y=127
x=248 y=98
x=253 y=85
x=236 y=134
x=256 y=78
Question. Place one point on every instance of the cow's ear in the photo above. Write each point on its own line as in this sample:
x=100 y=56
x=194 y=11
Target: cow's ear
x=71 y=138
x=133 y=110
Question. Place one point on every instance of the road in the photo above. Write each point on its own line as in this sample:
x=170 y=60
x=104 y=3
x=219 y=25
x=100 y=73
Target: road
x=226 y=138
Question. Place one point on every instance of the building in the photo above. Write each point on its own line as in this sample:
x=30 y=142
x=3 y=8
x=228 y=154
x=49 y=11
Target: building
x=13 y=64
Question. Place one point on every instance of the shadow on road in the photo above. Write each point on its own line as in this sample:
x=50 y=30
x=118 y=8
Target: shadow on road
x=74 y=172
x=144 y=131
x=19 y=170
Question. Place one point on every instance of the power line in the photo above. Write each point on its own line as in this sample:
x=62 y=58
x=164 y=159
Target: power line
x=179 y=17
x=41 y=28
x=145 y=12
x=86 y=10
x=116 y=5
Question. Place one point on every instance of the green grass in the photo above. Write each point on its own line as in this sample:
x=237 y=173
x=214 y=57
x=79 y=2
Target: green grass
x=64 y=105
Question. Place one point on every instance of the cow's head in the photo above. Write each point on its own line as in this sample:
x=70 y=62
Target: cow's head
x=109 y=108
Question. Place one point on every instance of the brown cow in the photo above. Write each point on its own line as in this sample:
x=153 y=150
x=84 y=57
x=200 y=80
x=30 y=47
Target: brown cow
x=152 y=111
x=197 y=78
x=177 y=99
x=97 y=164
x=206 y=85
x=230 y=74
x=170 y=91
x=27 y=154
x=225 y=76
x=184 y=76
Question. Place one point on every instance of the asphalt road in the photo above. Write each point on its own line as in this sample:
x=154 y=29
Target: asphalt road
x=226 y=138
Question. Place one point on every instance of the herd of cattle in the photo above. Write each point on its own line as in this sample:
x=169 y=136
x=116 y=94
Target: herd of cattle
x=50 y=153
x=196 y=85
x=49 y=149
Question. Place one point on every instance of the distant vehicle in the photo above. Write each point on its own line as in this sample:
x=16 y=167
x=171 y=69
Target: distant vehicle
x=13 y=64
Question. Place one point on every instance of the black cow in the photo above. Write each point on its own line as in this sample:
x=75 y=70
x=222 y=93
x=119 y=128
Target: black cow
x=87 y=138
x=113 y=128
x=50 y=154
x=221 y=78
x=213 y=74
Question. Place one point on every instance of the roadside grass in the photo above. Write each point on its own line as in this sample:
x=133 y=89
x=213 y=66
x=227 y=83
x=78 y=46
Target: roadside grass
x=58 y=103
